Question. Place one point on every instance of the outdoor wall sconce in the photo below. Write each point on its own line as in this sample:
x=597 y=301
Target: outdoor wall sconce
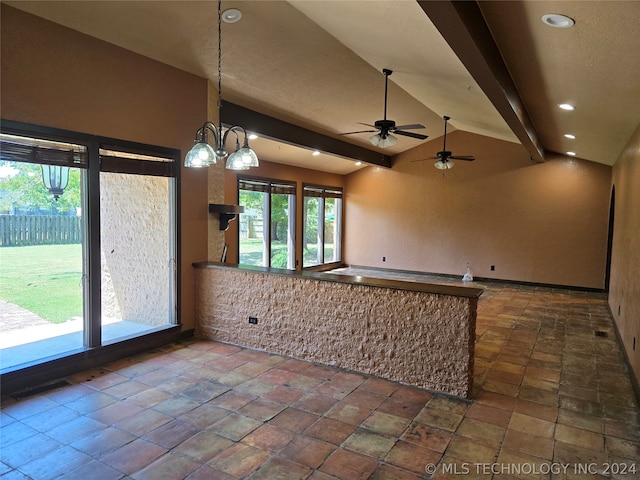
x=55 y=178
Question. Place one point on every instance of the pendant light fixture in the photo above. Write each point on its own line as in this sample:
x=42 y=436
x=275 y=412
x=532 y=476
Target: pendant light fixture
x=202 y=154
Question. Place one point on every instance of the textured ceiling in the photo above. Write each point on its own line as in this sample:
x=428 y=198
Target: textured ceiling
x=595 y=66
x=318 y=64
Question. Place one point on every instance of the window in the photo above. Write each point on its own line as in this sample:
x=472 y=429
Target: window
x=137 y=242
x=93 y=261
x=42 y=234
x=267 y=226
x=322 y=234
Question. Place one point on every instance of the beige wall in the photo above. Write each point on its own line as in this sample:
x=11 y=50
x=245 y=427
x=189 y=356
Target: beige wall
x=277 y=172
x=414 y=337
x=543 y=223
x=624 y=291
x=57 y=77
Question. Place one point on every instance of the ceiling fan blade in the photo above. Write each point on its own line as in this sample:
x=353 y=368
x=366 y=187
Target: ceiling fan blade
x=411 y=134
x=467 y=158
x=366 y=124
x=359 y=131
x=413 y=126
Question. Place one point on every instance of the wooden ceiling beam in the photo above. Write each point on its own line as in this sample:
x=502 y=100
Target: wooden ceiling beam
x=463 y=27
x=274 y=129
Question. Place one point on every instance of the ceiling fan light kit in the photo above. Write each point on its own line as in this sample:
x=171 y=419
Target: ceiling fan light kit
x=440 y=165
x=379 y=141
x=444 y=156
x=384 y=128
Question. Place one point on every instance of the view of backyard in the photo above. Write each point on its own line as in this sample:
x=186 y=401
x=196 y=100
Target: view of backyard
x=44 y=279
x=44 y=243
x=269 y=216
x=40 y=249
x=251 y=252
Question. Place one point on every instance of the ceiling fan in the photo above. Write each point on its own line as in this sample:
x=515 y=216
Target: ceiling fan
x=443 y=156
x=385 y=128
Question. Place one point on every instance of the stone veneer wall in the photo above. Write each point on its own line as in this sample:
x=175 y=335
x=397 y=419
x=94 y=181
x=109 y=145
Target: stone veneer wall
x=414 y=337
x=134 y=241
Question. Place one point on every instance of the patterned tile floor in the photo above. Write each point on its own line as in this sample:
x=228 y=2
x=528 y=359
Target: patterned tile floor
x=551 y=401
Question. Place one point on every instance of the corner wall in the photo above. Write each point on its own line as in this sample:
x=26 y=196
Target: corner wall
x=624 y=289
x=541 y=223
x=57 y=77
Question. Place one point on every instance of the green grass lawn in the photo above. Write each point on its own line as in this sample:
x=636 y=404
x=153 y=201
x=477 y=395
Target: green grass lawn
x=45 y=279
x=251 y=252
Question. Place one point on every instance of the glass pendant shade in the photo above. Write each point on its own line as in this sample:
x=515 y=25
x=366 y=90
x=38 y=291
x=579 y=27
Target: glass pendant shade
x=200 y=155
x=378 y=141
x=235 y=162
x=249 y=157
x=440 y=165
x=388 y=141
x=55 y=178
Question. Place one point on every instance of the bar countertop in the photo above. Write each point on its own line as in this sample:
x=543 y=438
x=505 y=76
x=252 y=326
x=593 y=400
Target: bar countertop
x=454 y=290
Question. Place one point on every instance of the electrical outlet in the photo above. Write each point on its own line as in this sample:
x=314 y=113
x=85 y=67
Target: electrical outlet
x=384 y=259
x=253 y=320
x=493 y=268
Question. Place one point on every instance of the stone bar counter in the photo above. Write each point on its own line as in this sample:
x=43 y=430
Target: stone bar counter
x=414 y=333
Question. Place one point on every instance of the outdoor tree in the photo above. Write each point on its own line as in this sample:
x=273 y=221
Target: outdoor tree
x=22 y=187
x=279 y=216
x=253 y=201
x=311 y=225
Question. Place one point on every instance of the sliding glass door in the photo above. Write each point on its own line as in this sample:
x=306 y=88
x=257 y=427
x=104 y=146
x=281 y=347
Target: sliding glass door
x=42 y=230
x=65 y=202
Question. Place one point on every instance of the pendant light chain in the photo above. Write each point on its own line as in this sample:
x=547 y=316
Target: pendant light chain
x=219 y=59
x=202 y=154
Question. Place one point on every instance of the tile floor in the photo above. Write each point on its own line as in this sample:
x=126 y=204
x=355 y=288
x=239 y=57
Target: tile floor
x=551 y=400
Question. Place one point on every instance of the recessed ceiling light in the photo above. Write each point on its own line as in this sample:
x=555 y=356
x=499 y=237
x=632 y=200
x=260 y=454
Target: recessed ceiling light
x=358 y=164
x=315 y=153
x=573 y=154
x=566 y=106
x=231 y=15
x=568 y=135
x=252 y=136
x=558 y=21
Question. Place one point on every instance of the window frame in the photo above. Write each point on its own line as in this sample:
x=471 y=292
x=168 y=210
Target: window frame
x=273 y=186
x=323 y=192
x=94 y=163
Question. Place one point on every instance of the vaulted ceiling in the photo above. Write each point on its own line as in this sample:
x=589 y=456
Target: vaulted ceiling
x=494 y=67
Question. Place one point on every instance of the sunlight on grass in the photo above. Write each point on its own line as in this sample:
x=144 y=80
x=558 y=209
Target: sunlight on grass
x=45 y=279
x=251 y=253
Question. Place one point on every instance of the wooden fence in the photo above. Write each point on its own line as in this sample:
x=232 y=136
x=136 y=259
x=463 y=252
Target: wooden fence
x=20 y=230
